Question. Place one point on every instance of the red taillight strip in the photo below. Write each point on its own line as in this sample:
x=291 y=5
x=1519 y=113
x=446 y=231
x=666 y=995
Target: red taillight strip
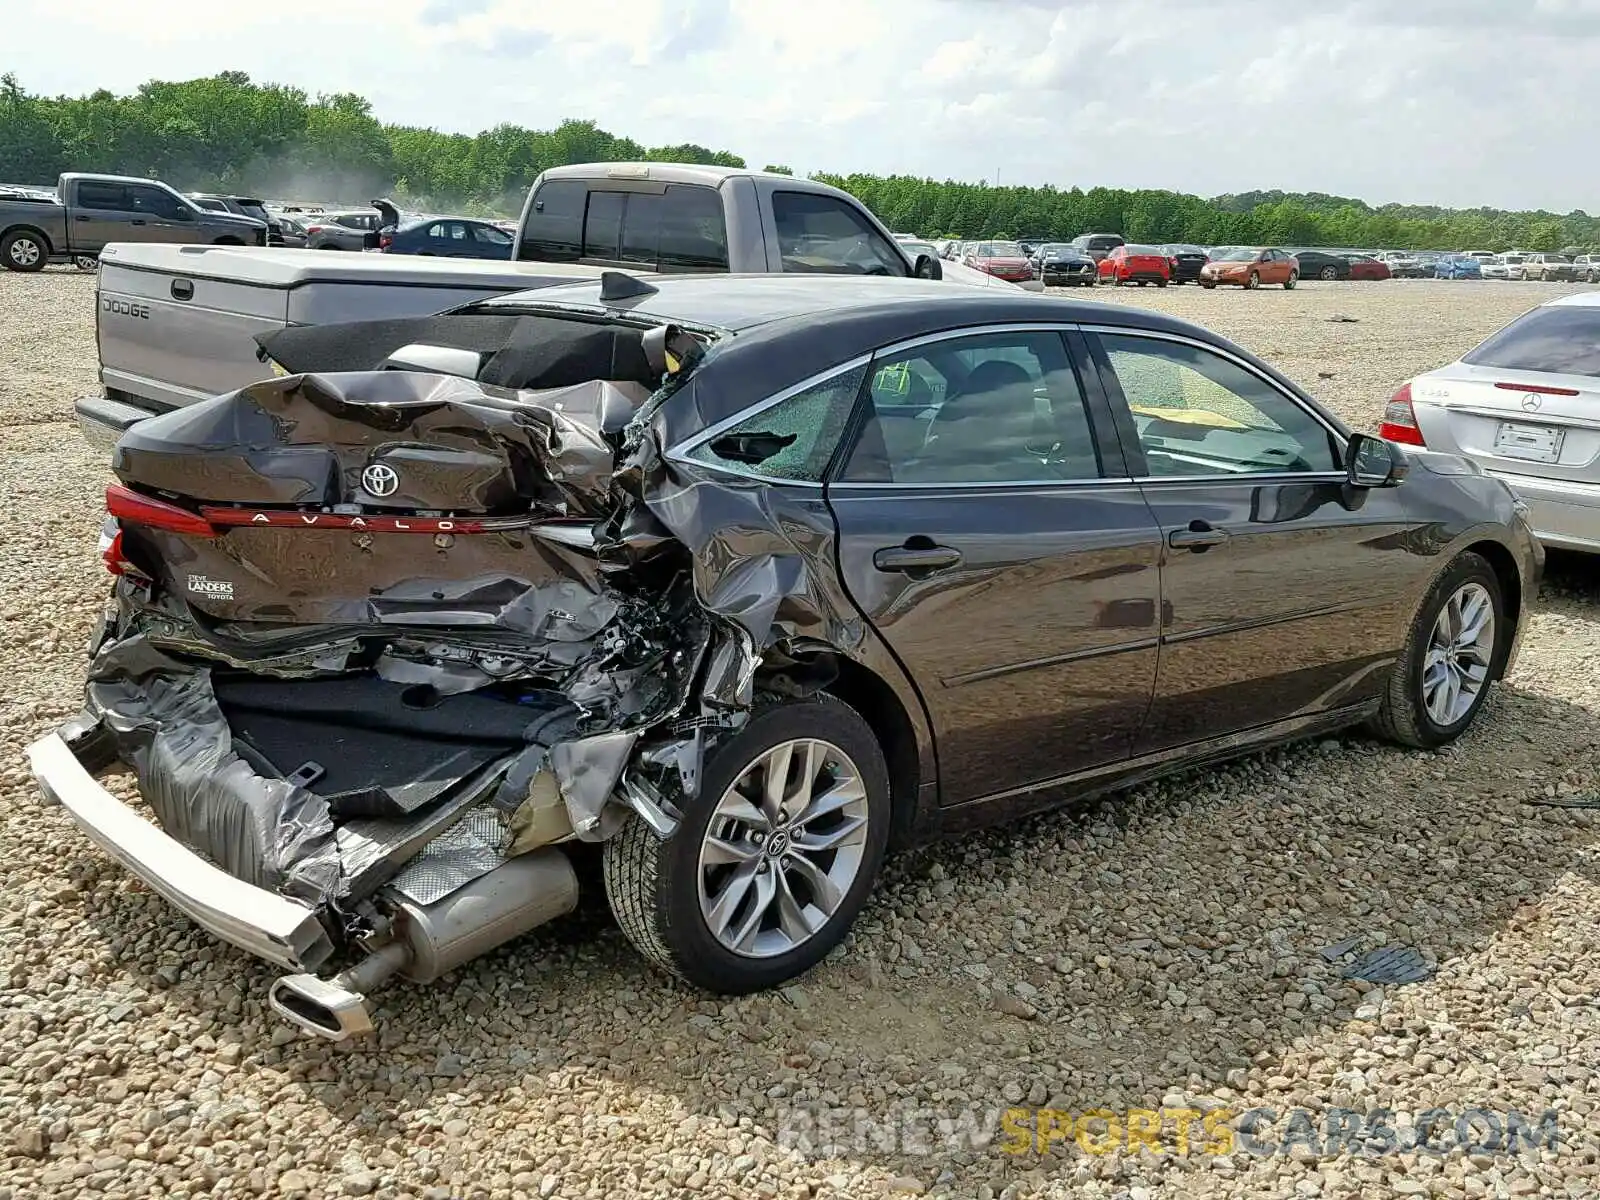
x=362 y=523
x=1542 y=389
x=127 y=505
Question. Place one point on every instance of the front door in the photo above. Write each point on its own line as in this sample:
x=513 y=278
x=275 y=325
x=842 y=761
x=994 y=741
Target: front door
x=988 y=530
x=1279 y=598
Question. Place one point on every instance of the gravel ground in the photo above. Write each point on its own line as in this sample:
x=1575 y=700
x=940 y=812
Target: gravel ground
x=1162 y=949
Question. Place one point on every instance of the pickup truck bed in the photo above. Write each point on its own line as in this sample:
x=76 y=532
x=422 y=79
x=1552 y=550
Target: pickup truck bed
x=178 y=323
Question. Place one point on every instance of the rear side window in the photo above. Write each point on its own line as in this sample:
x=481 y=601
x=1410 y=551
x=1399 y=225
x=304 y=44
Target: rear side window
x=105 y=196
x=1561 y=339
x=554 y=228
x=823 y=234
x=793 y=439
x=679 y=229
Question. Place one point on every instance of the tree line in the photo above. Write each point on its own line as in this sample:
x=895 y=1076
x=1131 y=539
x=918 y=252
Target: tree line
x=229 y=133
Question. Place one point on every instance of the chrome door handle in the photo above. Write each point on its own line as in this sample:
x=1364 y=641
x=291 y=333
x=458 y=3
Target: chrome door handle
x=1201 y=535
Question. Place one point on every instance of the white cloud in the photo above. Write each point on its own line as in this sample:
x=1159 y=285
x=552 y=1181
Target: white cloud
x=1460 y=102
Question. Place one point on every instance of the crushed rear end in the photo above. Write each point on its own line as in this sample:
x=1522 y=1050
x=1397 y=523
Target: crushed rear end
x=381 y=642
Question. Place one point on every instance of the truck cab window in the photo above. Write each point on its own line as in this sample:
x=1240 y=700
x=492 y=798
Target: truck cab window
x=153 y=200
x=553 y=231
x=108 y=197
x=826 y=235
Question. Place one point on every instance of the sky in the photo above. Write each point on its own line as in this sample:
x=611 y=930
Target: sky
x=1453 y=102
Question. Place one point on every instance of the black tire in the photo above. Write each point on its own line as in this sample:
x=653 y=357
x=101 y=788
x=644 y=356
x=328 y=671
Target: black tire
x=1210 y=287
x=1404 y=717
x=1161 y=283
x=653 y=885
x=1294 y=278
x=330 y=246
x=86 y=262
x=1254 y=281
x=25 y=251
x=1143 y=282
x=1328 y=273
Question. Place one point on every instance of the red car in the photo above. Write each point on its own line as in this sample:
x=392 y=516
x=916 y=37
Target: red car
x=1003 y=260
x=1136 y=264
x=1364 y=266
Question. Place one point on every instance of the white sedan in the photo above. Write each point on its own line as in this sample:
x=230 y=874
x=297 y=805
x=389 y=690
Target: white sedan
x=1524 y=405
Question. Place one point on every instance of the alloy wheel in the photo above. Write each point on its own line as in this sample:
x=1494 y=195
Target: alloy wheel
x=1455 y=669
x=24 y=252
x=783 y=848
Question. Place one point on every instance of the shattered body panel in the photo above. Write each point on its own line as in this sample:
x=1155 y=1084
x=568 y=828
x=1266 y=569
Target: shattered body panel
x=319 y=702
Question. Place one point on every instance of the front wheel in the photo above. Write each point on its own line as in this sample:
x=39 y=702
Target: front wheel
x=773 y=860
x=1253 y=281
x=1451 y=655
x=1294 y=278
x=1210 y=287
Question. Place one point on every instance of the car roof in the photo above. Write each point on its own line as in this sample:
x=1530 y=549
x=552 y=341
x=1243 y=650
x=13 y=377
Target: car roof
x=708 y=176
x=1581 y=299
x=788 y=327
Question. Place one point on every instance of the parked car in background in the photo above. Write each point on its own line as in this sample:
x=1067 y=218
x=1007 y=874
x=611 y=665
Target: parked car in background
x=87 y=212
x=345 y=229
x=1061 y=264
x=1251 y=267
x=1135 y=264
x=1586 y=267
x=1098 y=245
x=913 y=246
x=447 y=237
x=1457 y=266
x=293 y=230
x=1402 y=264
x=1003 y=260
x=1503 y=266
x=1548 y=267
x=1059 y=588
x=246 y=206
x=1367 y=267
x=1521 y=404
x=1322 y=264
x=1186 y=261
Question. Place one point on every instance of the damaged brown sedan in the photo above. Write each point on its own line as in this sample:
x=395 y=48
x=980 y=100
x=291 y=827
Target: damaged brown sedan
x=744 y=580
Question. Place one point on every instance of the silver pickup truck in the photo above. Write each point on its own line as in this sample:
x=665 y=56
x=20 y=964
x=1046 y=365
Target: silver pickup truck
x=178 y=324
x=90 y=211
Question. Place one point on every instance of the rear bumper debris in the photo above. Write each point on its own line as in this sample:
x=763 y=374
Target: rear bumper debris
x=270 y=926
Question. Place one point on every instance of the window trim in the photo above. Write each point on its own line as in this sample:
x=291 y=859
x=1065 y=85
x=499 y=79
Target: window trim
x=681 y=452
x=1123 y=414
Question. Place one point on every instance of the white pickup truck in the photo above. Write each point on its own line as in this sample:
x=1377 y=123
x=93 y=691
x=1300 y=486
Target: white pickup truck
x=178 y=323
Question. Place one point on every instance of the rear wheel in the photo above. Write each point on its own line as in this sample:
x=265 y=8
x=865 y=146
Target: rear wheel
x=1161 y=283
x=1442 y=678
x=24 y=250
x=1294 y=278
x=773 y=860
x=1328 y=273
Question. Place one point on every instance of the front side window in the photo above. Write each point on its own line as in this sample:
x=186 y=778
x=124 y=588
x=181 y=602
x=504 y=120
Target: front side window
x=990 y=408
x=825 y=235
x=491 y=236
x=1198 y=413
x=153 y=200
x=793 y=439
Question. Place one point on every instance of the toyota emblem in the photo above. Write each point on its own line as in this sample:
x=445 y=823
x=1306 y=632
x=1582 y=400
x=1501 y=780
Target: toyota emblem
x=379 y=480
x=1530 y=402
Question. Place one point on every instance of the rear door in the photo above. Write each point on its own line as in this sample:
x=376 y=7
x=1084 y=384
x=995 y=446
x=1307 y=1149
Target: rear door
x=102 y=213
x=1279 y=595
x=988 y=529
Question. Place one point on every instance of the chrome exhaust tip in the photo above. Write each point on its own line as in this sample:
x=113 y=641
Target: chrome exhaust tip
x=321 y=1006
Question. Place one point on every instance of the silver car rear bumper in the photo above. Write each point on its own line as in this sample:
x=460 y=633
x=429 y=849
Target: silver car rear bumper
x=265 y=924
x=1564 y=514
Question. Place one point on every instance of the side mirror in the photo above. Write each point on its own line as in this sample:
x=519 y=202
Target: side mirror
x=183 y=214
x=1371 y=462
x=928 y=267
